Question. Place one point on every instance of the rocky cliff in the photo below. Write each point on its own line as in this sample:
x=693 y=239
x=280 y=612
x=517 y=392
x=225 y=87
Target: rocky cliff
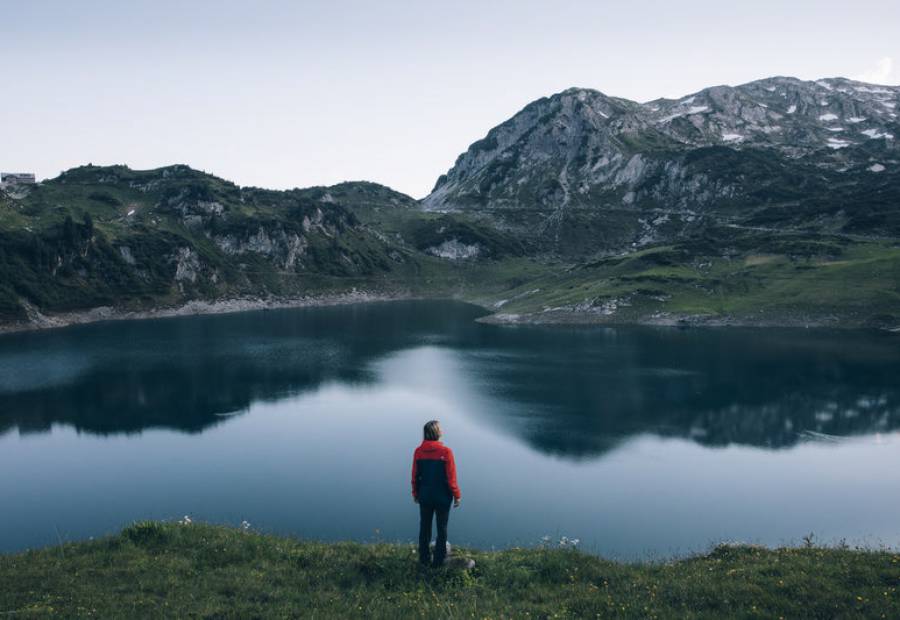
x=114 y=236
x=582 y=173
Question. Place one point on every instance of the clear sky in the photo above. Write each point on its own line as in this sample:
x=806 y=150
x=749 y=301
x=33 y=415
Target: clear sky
x=291 y=94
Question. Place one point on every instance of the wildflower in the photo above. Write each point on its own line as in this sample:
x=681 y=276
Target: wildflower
x=186 y=520
x=245 y=525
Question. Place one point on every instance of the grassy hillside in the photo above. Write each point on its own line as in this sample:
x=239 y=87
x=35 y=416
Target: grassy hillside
x=136 y=240
x=139 y=240
x=112 y=236
x=737 y=276
x=169 y=570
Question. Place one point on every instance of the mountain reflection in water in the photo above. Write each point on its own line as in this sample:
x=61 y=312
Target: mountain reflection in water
x=572 y=392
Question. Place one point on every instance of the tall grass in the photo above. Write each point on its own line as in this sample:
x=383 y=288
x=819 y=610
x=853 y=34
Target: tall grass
x=193 y=570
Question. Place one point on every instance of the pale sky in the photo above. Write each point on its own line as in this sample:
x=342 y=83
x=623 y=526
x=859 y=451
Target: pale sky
x=292 y=94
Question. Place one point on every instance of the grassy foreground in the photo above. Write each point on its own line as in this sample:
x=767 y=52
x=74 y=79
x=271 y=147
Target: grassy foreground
x=172 y=570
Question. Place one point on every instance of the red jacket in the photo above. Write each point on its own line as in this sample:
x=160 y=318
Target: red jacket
x=434 y=474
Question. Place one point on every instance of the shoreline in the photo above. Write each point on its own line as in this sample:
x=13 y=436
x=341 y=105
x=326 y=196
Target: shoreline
x=681 y=321
x=39 y=321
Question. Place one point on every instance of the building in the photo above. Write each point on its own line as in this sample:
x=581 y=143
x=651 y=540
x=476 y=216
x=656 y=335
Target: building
x=8 y=179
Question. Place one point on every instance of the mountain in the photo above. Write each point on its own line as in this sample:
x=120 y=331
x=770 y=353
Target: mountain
x=98 y=236
x=771 y=203
x=581 y=173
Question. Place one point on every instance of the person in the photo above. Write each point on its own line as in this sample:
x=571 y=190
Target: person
x=434 y=488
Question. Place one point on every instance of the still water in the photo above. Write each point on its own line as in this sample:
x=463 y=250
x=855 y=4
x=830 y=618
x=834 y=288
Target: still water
x=641 y=442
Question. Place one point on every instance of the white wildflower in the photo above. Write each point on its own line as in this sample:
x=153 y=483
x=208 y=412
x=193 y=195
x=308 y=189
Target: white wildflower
x=566 y=542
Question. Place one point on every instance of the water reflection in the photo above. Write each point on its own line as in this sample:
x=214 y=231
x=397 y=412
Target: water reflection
x=575 y=393
x=586 y=392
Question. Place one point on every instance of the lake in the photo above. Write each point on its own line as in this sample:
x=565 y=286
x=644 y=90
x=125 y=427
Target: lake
x=641 y=442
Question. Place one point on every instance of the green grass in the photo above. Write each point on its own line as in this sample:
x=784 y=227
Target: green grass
x=45 y=264
x=201 y=571
x=377 y=240
x=853 y=284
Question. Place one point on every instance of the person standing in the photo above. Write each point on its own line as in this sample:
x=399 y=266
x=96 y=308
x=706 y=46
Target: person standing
x=434 y=488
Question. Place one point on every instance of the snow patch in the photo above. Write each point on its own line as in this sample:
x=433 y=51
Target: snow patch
x=866 y=89
x=732 y=137
x=697 y=109
x=688 y=101
x=874 y=133
x=876 y=168
x=835 y=143
x=828 y=117
x=856 y=119
x=824 y=85
x=835 y=128
x=792 y=109
x=771 y=89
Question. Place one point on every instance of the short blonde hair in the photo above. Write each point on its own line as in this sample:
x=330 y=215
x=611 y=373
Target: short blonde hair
x=432 y=430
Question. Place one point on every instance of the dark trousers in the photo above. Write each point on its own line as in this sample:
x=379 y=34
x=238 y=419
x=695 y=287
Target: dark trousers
x=441 y=513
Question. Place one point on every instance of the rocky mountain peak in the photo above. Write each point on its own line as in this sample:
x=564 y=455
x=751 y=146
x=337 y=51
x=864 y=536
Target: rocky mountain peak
x=798 y=117
x=715 y=152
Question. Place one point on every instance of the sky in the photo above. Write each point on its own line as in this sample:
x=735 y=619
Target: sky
x=298 y=93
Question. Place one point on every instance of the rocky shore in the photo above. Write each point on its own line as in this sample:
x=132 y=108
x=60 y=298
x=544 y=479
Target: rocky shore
x=37 y=320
